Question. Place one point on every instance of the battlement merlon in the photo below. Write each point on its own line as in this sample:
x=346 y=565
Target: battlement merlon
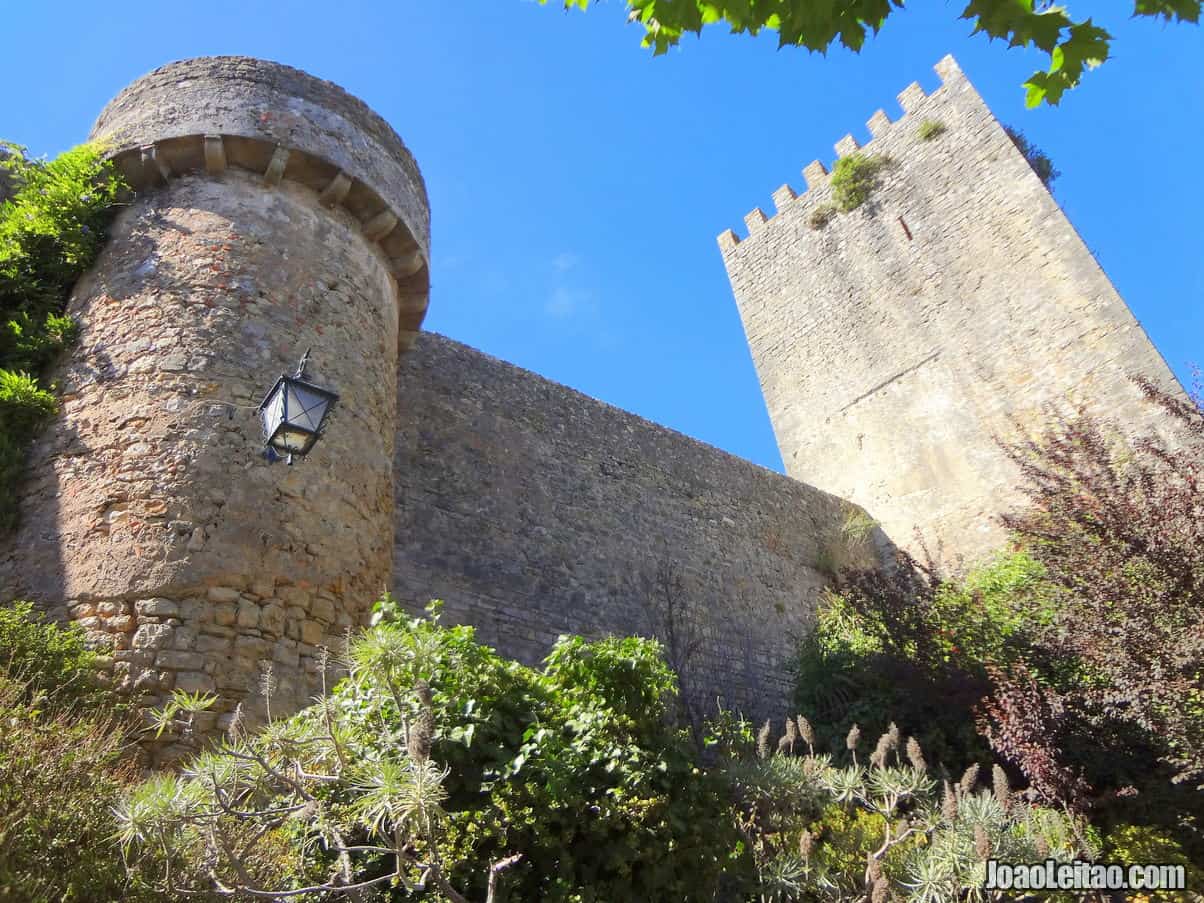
x=205 y=114
x=912 y=99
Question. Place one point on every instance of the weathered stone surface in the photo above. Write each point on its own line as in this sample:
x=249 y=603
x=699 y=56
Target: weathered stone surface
x=151 y=483
x=181 y=661
x=248 y=614
x=897 y=341
x=195 y=682
x=258 y=100
x=271 y=619
x=153 y=636
x=533 y=511
x=311 y=633
x=159 y=608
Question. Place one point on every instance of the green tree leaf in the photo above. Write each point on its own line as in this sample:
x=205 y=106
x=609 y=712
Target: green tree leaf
x=1073 y=46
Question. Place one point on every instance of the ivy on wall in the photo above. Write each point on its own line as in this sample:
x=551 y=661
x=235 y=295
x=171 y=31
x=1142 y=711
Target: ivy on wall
x=51 y=229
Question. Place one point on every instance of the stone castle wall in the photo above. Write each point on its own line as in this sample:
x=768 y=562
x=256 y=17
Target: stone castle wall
x=895 y=343
x=532 y=511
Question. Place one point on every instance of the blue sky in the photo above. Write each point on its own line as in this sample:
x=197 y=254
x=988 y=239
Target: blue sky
x=577 y=183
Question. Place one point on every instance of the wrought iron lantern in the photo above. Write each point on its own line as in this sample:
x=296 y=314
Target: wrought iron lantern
x=293 y=413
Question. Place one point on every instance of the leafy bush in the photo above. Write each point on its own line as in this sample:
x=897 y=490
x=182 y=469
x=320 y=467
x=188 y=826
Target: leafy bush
x=1141 y=845
x=907 y=641
x=65 y=760
x=564 y=784
x=51 y=230
x=854 y=179
x=50 y=661
x=1119 y=530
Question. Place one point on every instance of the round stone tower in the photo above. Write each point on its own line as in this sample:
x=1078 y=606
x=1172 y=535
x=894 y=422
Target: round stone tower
x=272 y=213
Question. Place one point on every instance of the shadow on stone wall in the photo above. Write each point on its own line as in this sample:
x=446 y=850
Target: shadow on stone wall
x=533 y=511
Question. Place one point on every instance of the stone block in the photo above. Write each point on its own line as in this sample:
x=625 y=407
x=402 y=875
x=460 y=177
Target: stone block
x=157 y=608
x=248 y=614
x=271 y=619
x=323 y=609
x=223 y=594
x=262 y=587
x=180 y=661
x=121 y=624
x=286 y=654
x=153 y=636
x=311 y=632
x=195 y=682
x=207 y=644
x=235 y=677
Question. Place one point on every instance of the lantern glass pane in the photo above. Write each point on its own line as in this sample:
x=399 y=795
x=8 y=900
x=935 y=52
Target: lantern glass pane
x=306 y=408
x=273 y=411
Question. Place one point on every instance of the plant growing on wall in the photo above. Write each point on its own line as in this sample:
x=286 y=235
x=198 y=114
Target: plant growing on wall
x=854 y=179
x=51 y=230
x=930 y=129
x=822 y=215
x=850 y=546
x=1036 y=158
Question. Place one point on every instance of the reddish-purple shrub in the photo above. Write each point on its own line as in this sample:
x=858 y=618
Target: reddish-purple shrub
x=1119 y=529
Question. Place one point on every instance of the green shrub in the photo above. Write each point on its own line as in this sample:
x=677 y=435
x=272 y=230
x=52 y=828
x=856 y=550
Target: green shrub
x=445 y=760
x=65 y=761
x=851 y=546
x=48 y=660
x=930 y=129
x=51 y=230
x=61 y=773
x=918 y=646
x=854 y=179
x=1141 y=845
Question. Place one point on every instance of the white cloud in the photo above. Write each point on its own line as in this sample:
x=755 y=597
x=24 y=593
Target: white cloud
x=565 y=261
x=566 y=303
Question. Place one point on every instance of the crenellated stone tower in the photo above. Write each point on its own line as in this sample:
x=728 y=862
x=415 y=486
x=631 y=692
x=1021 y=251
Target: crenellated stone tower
x=894 y=343
x=273 y=212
